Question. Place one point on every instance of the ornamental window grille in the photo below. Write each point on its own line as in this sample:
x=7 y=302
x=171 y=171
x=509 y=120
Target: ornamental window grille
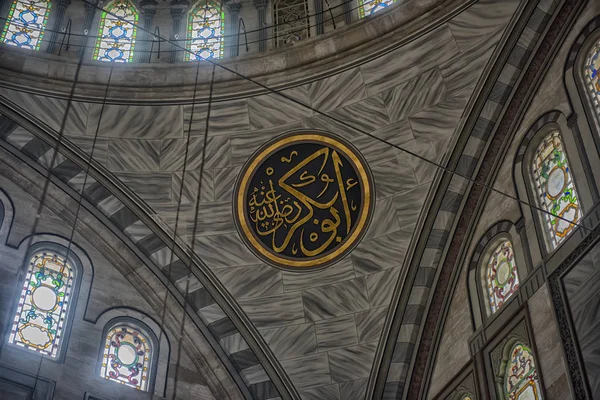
x=501 y=278
x=521 y=381
x=555 y=189
x=127 y=356
x=291 y=21
x=592 y=78
x=205 y=29
x=368 y=7
x=116 y=34
x=25 y=23
x=42 y=311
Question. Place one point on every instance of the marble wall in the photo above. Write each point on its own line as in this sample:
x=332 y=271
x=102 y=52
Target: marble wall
x=324 y=326
x=551 y=96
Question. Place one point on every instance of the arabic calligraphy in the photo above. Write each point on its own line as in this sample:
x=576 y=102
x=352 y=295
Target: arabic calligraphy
x=302 y=199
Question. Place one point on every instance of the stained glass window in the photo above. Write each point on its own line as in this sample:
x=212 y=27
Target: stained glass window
x=127 y=357
x=501 y=275
x=521 y=380
x=555 y=188
x=25 y=23
x=368 y=7
x=42 y=310
x=291 y=21
x=116 y=35
x=592 y=67
x=206 y=25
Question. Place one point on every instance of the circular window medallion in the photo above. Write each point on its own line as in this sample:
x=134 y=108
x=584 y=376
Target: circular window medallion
x=555 y=185
x=44 y=298
x=303 y=200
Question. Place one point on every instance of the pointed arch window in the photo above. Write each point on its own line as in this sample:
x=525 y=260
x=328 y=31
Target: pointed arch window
x=592 y=77
x=44 y=303
x=206 y=25
x=116 y=34
x=291 y=21
x=26 y=23
x=502 y=280
x=521 y=381
x=368 y=7
x=127 y=356
x=555 y=188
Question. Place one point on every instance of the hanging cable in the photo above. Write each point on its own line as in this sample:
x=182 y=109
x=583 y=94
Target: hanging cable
x=343 y=123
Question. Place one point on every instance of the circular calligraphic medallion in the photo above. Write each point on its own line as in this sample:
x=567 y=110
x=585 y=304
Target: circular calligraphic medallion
x=304 y=200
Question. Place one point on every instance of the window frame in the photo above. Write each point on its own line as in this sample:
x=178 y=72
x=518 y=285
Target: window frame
x=150 y=336
x=100 y=27
x=77 y=270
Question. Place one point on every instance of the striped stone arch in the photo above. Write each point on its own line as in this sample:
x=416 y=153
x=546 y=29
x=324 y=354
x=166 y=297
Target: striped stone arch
x=233 y=337
x=403 y=362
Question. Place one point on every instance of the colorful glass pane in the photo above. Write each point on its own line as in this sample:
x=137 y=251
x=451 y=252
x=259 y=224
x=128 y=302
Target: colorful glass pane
x=25 y=23
x=502 y=279
x=555 y=188
x=206 y=25
x=116 y=35
x=368 y=7
x=521 y=381
x=592 y=68
x=127 y=357
x=42 y=309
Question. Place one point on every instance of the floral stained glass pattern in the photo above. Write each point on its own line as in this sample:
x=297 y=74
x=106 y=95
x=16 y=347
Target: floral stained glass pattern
x=592 y=69
x=42 y=311
x=368 y=7
x=206 y=25
x=116 y=35
x=521 y=378
x=127 y=356
x=502 y=279
x=555 y=188
x=25 y=23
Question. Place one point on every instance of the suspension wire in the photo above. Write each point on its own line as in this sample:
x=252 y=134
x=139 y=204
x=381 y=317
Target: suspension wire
x=38 y=215
x=341 y=122
x=328 y=19
x=194 y=229
x=177 y=215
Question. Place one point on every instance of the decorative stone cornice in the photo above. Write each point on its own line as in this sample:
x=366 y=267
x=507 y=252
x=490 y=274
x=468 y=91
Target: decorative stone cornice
x=261 y=3
x=234 y=6
x=148 y=7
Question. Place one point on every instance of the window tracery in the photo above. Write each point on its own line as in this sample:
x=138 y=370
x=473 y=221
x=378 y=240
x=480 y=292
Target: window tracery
x=25 y=23
x=127 y=357
x=502 y=279
x=116 y=34
x=555 y=188
x=591 y=70
x=521 y=380
x=368 y=7
x=291 y=21
x=206 y=25
x=42 y=309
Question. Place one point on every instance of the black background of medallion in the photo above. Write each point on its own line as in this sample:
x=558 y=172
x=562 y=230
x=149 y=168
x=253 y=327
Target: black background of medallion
x=305 y=150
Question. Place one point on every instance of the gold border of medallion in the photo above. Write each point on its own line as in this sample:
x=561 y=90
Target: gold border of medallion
x=240 y=209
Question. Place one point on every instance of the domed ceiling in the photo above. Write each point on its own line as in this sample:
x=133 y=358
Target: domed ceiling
x=303 y=191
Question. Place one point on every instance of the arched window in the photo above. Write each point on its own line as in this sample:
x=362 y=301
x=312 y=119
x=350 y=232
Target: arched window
x=555 y=188
x=25 y=23
x=291 y=21
x=116 y=38
x=501 y=279
x=128 y=356
x=42 y=310
x=206 y=25
x=591 y=70
x=368 y=7
x=521 y=380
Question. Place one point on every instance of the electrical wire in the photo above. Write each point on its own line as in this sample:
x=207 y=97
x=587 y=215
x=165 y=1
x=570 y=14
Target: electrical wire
x=343 y=123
